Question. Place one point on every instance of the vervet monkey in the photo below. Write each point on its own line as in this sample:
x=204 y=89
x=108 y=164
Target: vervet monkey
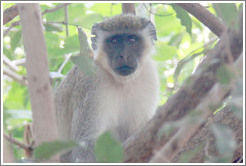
x=120 y=97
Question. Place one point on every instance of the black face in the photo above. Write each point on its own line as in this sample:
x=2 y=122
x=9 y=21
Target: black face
x=124 y=51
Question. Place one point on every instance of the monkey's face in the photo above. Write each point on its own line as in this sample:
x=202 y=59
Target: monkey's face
x=122 y=44
x=123 y=52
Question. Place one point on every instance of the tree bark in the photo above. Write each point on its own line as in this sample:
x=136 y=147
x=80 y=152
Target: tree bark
x=44 y=124
x=207 y=18
x=141 y=146
x=128 y=8
x=10 y=13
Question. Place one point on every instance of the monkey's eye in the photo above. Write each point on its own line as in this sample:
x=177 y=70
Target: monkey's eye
x=114 y=40
x=132 y=38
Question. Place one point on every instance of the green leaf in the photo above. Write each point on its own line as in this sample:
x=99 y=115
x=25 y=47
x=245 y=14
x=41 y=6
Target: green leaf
x=108 y=149
x=176 y=40
x=228 y=13
x=83 y=60
x=164 y=52
x=71 y=44
x=168 y=24
x=15 y=99
x=48 y=149
x=89 y=19
x=184 y=18
x=224 y=74
x=107 y=9
x=15 y=40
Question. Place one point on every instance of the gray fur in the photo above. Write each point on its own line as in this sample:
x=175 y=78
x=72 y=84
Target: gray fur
x=88 y=105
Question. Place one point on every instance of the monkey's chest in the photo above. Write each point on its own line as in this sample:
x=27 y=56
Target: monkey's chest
x=124 y=111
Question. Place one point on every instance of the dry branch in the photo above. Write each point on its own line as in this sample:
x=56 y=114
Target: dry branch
x=203 y=15
x=20 y=144
x=19 y=62
x=128 y=8
x=141 y=146
x=20 y=79
x=43 y=113
x=10 y=64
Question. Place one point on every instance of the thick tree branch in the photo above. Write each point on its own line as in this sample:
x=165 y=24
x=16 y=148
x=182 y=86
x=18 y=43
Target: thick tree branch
x=43 y=112
x=9 y=14
x=141 y=146
x=205 y=137
x=187 y=131
x=203 y=15
x=128 y=8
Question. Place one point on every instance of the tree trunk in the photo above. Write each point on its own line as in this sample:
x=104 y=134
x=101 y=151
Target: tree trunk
x=43 y=113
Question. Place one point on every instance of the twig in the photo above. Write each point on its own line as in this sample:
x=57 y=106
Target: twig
x=21 y=79
x=11 y=26
x=203 y=15
x=64 y=23
x=20 y=144
x=66 y=20
x=54 y=9
x=151 y=12
x=64 y=63
x=10 y=13
x=10 y=64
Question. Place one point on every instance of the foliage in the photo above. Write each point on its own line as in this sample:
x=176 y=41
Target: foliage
x=107 y=149
x=181 y=38
x=48 y=149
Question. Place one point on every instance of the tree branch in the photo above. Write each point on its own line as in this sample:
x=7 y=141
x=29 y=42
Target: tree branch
x=128 y=8
x=55 y=8
x=18 y=143
x=141 y=146
x=43 y=112
x=19 y=62
x=46 y=11
x=10 y=13
x=21 y=79
x=187 y=131
x=203 y=15
x=10 y=64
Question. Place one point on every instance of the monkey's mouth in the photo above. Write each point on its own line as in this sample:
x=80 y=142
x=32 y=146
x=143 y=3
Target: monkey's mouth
x=125 y=70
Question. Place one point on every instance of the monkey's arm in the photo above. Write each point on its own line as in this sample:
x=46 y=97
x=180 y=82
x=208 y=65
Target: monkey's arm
x=75 y=110
x=62 y=100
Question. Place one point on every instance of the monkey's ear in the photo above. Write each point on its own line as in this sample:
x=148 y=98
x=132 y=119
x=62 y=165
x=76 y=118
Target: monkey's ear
x=94 y=37
x=150 y=28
